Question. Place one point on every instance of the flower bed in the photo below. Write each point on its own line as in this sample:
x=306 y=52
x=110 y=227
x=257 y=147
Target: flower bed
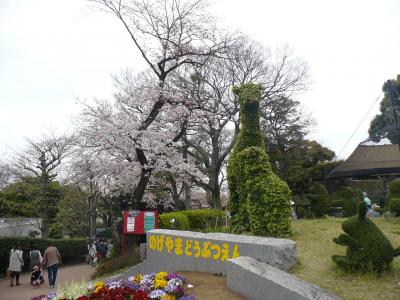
x=162 y=286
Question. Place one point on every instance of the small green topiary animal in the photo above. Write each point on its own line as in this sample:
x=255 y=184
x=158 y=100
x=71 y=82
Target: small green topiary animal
x=368 y=248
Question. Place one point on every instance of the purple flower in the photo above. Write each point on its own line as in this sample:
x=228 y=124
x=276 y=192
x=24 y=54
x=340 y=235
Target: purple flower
x=156 y=294
x=41 y=297
x=187 y=297
x=174 y=275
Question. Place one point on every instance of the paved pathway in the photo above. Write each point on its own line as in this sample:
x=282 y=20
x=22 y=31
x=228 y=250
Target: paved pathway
x=25 y=290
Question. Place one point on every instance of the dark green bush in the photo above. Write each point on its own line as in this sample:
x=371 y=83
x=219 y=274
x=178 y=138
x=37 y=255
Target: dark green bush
x=181 y=220
x=351 y=197
x=337 y=203
x=394 y=191
x=368 y=248
x=335 y=211
x=319 y=199
x=72 y=251
x=301 y=212
x=395 y=206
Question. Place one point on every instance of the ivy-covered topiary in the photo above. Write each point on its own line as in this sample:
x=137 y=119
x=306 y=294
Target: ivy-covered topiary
x=368 y=248
x=258 y=199
x=395 y=206
x=319 y=199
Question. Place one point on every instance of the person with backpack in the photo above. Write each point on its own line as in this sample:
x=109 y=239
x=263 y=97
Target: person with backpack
x=35 y=257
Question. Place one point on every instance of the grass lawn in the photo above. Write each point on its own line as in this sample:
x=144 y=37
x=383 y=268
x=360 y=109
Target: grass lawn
x=315 y=248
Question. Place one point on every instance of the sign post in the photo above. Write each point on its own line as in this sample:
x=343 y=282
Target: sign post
x=138 y=222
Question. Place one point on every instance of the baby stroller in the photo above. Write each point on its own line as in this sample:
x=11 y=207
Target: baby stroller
x=36 y=277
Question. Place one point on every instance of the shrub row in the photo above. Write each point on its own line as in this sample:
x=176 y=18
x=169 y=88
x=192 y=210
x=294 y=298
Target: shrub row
x=200 y=219
x=71 y=250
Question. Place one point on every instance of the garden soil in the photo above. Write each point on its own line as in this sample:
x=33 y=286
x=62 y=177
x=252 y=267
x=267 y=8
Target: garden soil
x=209 y=287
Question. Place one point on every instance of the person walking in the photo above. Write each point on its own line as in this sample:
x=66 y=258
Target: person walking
x=52 y=260
x=35 y=257
x=367 y=200
x=15 y=265
x=92 y=254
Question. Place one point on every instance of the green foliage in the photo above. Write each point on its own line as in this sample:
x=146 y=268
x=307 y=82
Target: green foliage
x=73 y=213
x=200 y=219
x=351 y=197
x=117 y=263
x=368 y=248
x=250 y=133
x=181 y=220
x=394 y=190
x=384 y=124
x=29 y=198
x=267 y=200
x=258 y=199
x=56 y=231
x=395 y=206
x=301 y=163
x=301 y=212
x=319 y=199
x=71 y=250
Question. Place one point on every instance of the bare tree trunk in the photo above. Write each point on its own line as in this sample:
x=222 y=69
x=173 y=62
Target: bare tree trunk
x=188 y=196
x=92 y=217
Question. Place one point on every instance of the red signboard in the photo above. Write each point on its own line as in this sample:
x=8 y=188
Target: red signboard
x=139 y=221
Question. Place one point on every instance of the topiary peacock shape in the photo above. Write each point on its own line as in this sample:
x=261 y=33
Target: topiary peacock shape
x=368 y=248
x=258 y=199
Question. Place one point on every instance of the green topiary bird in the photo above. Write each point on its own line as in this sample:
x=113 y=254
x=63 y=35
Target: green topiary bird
x=368 y=248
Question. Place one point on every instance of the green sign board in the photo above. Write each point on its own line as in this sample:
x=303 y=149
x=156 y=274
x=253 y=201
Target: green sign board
x=149 y=221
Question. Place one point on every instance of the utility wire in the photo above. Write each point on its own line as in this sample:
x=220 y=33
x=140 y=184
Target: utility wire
x=359 y=124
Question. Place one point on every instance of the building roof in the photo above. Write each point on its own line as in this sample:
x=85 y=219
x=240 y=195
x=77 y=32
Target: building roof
x=369 y=159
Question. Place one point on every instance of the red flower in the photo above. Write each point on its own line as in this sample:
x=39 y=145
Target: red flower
x=140 y=295
x=82 y=298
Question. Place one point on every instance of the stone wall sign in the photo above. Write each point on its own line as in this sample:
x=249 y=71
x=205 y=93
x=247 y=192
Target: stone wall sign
x=174 y=250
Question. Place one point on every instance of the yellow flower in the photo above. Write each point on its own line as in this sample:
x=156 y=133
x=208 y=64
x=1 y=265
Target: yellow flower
x=168 y=297
x=160 y=283
x=137 y=278
x=98 y=285
x=161 y=275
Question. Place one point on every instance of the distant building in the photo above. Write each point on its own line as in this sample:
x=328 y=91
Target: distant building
x=370 y=167
x=17 y=227
x=370 y=161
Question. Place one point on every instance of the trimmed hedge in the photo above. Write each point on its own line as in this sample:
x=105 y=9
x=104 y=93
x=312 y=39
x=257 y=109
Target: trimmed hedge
x=181 y=221
x=200 y=219
x=72 y=250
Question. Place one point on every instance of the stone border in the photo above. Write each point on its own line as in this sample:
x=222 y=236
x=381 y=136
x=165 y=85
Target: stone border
x=266 y=282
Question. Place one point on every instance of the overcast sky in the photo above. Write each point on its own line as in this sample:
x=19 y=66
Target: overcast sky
x=54 y=51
